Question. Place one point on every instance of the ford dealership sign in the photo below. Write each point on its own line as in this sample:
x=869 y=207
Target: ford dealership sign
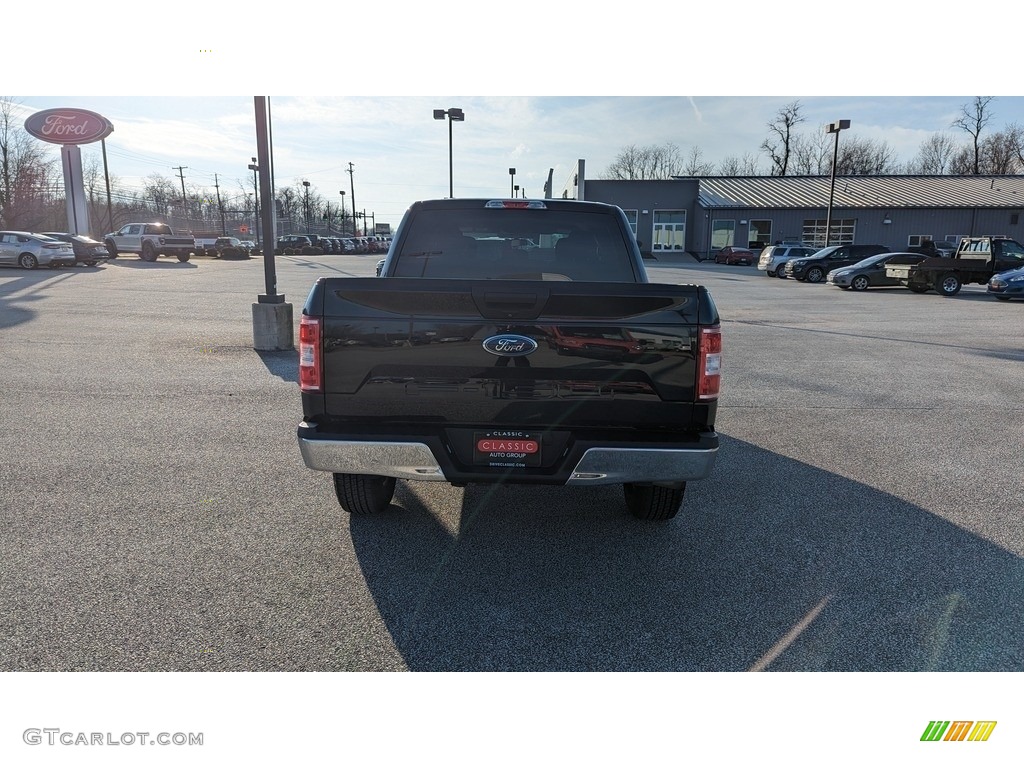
x=68 y=126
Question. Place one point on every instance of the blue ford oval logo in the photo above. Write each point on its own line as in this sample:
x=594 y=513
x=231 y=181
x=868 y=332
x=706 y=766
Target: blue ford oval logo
x=510 y=345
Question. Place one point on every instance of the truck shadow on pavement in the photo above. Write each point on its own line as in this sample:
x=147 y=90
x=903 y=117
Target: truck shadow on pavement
x=785 y=568
x=132 y=263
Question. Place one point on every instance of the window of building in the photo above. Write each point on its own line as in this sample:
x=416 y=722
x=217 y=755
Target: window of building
x=631 y=215
x=760 y=234
x=916 y=240
x=843 y=232
x=1014 y=218
x=723 y=233
x=669 y=231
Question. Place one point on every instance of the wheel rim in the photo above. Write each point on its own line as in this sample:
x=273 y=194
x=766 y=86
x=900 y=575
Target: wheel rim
x=814 y=275
x=28 y=261
x=860 y=283
x=949 y=285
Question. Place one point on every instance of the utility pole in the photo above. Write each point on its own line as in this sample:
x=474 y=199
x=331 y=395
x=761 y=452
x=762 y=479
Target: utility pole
x=220 y=206
x=184 y=200
x=352 y=185
x=106 y=175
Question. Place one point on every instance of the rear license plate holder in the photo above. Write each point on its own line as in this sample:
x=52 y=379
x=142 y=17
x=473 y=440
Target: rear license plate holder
x=507 y=448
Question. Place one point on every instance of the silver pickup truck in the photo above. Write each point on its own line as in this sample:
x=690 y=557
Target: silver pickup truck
x=149 y=241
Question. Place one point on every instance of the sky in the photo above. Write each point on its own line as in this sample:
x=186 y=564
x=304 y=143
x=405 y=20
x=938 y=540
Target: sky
x=399 y=152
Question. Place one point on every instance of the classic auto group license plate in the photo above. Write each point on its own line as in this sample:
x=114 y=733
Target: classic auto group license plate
x=506 y=448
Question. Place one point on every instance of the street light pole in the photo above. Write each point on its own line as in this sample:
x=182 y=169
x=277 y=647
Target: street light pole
x=342 y=191
x=256 y=188
x=352 y=185
x=512 y=187
x=453 y=114
x=305 y=204
x=836 y=127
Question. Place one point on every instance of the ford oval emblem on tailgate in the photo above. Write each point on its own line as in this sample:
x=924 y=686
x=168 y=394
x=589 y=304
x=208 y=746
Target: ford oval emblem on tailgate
x=510 y=345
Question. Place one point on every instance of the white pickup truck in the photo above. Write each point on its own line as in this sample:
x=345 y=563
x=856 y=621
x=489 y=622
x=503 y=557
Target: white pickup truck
x=149 y=241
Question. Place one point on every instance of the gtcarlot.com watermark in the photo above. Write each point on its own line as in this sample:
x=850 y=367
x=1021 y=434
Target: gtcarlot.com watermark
x=58 y=737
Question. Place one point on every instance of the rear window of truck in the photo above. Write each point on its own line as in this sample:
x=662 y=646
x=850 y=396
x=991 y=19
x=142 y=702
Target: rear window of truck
x=515 y=245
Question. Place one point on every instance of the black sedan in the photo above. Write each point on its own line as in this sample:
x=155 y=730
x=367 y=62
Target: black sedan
x=1007 y=285
x=870 y=272
x=87 y=251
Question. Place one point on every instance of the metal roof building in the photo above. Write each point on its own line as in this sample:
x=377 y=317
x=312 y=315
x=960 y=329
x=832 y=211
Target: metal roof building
x=703 y=214
x=862 y=191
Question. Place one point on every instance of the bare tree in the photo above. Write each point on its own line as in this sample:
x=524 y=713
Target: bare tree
x=695 y=166
x=161 y=192
x=739 y=166
x=28 y=178
x=865 y=157
x=1016 y=133
x=962 y=162
x=973 y=119
x=779 y=144
x=289 y=203
x=812 y=154
x=95 y=184
x=1000 y=152
x=652 y=161
x=934 y=156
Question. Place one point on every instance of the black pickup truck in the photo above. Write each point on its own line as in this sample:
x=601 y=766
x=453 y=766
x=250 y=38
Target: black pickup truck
x=510 y=341
x=976 y=260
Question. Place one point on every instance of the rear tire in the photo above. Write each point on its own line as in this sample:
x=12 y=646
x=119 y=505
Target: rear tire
x=364 y=494
x=183 y=257
x=949 y=284
x=918 y=288
x=653 y=502
x=148 y=252
x=781 y=271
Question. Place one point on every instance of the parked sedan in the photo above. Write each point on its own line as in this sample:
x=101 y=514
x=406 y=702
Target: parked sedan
x=87 y=251
x=1007 y=285
x=734 y=254
x=814 y=268
x=32 y=249
x=870 y=272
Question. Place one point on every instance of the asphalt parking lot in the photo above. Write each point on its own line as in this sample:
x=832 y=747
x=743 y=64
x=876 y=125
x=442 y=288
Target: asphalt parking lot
x=865 y=512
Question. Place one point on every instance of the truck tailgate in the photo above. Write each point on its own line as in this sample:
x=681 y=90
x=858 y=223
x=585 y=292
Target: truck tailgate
x=412 y=350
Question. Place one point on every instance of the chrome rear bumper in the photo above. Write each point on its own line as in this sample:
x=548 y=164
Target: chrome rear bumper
x=597 y=466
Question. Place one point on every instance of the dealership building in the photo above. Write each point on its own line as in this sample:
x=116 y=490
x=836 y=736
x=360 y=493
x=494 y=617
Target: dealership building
x=702 y=214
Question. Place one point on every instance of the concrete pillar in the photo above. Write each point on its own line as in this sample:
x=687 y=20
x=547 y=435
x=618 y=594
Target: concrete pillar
x=272 y=327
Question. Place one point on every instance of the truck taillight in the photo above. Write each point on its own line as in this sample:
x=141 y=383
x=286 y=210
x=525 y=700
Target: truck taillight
x=709 y=363
x=310 y=369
